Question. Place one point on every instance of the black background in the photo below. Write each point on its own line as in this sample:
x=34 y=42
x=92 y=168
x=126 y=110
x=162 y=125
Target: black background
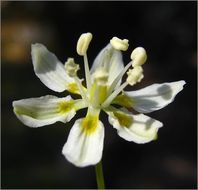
x=31 y=158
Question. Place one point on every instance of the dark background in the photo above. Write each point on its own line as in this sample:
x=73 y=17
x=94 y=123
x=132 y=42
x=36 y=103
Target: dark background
x=31 y=158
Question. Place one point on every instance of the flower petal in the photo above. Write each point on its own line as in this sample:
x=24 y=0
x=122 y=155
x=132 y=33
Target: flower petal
x=49 y=69
x=154 y=97
x=85 y=143
x=111 y=59
x=137 y=128
x=37 y=112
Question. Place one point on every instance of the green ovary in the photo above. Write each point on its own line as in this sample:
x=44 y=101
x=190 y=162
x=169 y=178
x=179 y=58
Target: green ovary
x=98 y=94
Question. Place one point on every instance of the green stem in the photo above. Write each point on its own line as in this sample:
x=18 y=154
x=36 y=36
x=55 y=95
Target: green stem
x=99 y=176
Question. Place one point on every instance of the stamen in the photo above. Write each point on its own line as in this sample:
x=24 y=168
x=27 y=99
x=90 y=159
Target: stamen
x=79 y=104
x=119 y=44
x=83 y=43
x=138 y=56
x=81 y=89
x=135 y=75
x=119 y=77
x=108 y=101
x=71 y=67
x=87 y=72
x=82 y=46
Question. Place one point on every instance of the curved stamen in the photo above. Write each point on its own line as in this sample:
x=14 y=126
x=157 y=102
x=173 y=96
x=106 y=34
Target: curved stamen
x=81 y=89
x=87 y=72
x=119 y=77
x=82 y=46
x=108 y=101
x=138 y=57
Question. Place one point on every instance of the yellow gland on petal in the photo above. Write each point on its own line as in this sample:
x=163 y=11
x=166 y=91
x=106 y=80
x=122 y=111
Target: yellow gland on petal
x=135 y=75
x=65 y=106
x=83 y=43
x=124 y=120
x=73 y=88
x=119 y=44
x=71 y=67
x=138 y=56
x=123 y=100
x=90 y=122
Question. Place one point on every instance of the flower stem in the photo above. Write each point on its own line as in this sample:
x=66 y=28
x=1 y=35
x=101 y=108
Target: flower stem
x=99 y=176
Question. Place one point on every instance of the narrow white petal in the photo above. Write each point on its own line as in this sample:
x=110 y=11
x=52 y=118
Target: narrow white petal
x=141 y=128
x=112 y=60
x=154 y=97
x=84 y=149
x=49 y=69
x=37 y=112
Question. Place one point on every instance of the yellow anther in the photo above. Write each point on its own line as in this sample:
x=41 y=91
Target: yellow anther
x=135 y=75
x=101 y=76
x=83 y=43
x=138 y=56
x=71 y=67
x=119 y=44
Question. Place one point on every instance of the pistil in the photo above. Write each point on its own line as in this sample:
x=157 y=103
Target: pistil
x=99 y=88
x=82 y=47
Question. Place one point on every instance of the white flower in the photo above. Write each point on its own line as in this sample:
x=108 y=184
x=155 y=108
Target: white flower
x=103 y=90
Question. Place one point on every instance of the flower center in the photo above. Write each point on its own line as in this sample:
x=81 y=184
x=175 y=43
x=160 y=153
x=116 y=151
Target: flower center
x=101 y=91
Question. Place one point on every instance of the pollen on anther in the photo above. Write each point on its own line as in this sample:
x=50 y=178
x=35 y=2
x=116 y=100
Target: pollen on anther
x=119 y=44
x=83 y=43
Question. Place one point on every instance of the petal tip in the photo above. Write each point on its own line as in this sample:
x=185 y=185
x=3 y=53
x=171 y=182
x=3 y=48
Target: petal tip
x=35 y=45
x=183 y=82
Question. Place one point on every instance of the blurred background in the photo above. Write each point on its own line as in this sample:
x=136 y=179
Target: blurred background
x=31 y=158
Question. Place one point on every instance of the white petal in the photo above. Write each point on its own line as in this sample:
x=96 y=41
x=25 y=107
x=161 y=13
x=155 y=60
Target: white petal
x=49 y=69
x=37 y=112
x=155 y=97
x=84 y=149
x=113 y=62
x=142 y=128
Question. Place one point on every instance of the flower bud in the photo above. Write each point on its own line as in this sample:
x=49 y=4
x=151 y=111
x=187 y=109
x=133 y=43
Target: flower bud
x=138 y=56
x=83 y=43
x=119 y=44
x=135 y=75
x=71 y=67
